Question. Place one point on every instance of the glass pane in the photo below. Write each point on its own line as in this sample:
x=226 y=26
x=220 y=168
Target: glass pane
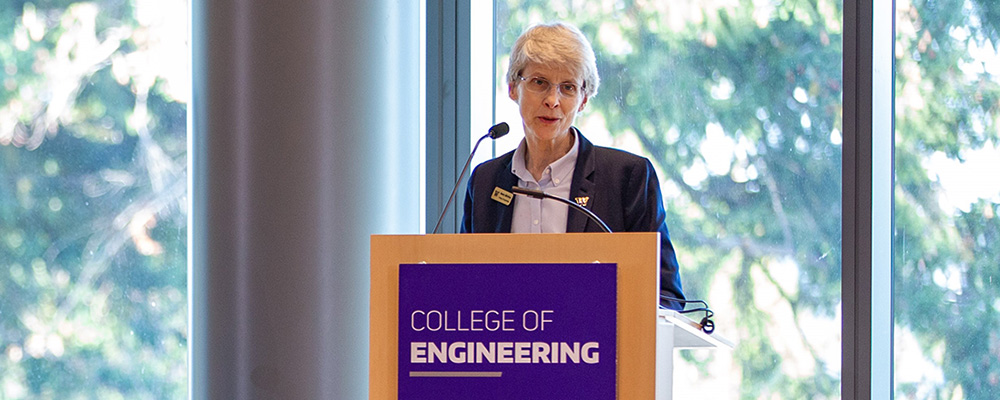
x=738 y=104
x=945 y=256
x=93 y=271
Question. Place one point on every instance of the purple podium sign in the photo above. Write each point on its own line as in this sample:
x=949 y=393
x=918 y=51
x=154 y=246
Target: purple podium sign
x=507 y=331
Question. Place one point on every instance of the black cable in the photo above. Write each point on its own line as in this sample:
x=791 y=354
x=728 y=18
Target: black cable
x=707 y=325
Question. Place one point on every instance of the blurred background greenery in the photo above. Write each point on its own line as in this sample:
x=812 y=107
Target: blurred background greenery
x=93 y=269
x=737 y=102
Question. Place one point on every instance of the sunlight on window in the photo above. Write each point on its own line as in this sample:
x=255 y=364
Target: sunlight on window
x=946 y=200
x=93 y=176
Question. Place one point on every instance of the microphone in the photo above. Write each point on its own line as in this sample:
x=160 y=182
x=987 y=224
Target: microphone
x=538 y=194
x=495 y=132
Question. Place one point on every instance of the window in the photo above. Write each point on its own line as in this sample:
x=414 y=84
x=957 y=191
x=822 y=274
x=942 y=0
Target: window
x=946 y=199
x=739 y=106
x=93 y=297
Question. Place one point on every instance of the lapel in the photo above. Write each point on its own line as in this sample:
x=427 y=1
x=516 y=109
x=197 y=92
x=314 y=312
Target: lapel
x=505 y=214
x=582 y=185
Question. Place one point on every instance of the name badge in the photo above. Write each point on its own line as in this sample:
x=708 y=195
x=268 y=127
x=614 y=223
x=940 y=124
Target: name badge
x=502 y=196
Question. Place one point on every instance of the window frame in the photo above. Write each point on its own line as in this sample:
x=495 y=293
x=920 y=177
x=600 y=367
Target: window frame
x=448 y=110
x=866 y=283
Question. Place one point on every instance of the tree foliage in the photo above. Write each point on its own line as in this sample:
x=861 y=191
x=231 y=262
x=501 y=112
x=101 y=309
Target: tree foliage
x=93 y=273
x=945 y=267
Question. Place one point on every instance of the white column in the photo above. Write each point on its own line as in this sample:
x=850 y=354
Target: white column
x=304 y=141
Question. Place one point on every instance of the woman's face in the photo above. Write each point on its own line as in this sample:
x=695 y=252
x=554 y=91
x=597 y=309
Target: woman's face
x=544 y=96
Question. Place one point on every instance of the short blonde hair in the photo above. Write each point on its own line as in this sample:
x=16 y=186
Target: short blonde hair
x=556 y=43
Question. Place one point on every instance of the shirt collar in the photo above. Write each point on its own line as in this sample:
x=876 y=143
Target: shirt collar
x=560 y=170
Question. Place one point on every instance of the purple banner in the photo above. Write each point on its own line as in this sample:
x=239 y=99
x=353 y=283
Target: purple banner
x=506 y=331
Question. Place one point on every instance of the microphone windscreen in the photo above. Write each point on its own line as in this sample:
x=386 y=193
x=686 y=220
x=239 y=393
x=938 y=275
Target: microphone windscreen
x=499 y=130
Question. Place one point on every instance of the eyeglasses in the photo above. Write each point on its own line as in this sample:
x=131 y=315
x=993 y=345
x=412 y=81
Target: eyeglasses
x=541 y=85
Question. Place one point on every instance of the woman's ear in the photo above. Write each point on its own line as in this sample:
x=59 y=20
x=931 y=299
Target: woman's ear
x=512 y=91
x=584 y=103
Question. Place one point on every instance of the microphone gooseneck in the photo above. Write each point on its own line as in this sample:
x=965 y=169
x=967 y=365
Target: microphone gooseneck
x=538 y=194
x=496 y=131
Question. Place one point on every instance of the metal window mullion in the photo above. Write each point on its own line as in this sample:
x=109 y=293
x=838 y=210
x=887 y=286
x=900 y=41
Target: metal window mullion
x=867 y=201
x=448 y=141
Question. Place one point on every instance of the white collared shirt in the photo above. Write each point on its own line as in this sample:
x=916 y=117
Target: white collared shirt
x=533 y=215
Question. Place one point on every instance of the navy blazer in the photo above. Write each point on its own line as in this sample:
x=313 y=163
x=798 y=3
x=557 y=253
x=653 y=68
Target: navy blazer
x=623 y=191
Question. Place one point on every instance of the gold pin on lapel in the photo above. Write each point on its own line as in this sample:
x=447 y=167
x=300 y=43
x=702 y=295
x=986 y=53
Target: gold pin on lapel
x=502 y=196
x=582 y=201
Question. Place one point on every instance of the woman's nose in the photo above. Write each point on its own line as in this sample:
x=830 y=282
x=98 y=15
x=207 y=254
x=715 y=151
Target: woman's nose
x=552 y=97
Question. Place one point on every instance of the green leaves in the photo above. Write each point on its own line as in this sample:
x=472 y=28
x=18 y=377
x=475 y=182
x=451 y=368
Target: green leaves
x=92 y=240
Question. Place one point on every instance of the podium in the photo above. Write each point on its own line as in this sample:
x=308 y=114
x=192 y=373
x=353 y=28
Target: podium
x=644 y=335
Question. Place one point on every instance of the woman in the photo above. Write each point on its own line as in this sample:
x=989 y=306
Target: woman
x=551 y=76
